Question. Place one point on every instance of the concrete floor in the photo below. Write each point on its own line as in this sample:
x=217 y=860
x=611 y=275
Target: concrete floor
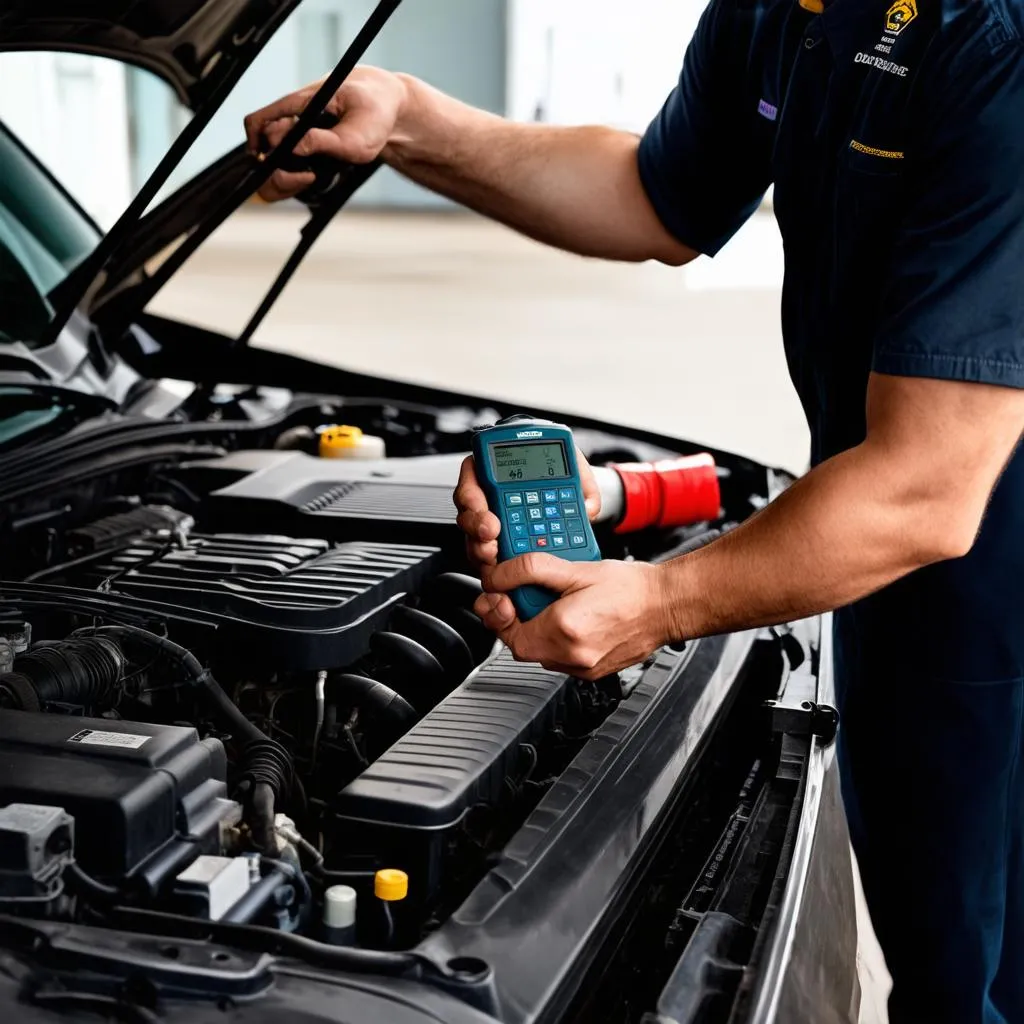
x=455 y=301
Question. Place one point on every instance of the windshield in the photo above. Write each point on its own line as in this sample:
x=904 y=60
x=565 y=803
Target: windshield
x=43 y=237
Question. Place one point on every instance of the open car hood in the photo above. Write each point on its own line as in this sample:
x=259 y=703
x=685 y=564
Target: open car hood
x=194 y=45
x=201 y=48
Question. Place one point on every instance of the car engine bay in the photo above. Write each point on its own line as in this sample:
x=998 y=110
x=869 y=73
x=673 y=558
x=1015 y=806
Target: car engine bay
x=241 y=682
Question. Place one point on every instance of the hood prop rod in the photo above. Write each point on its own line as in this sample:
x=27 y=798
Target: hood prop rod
x=87 y=276
x=262 y=170
x=322 y=215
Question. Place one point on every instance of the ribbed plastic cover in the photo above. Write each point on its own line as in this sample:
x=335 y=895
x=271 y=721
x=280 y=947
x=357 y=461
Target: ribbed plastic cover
x=461 y=752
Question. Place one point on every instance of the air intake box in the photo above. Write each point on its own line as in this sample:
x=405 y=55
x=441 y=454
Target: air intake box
x=132 y=788
x=406 y=807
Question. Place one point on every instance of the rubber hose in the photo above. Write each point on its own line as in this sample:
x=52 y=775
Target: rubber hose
x=84 y=884
x=277 y=943
x=228 y=713
x=79 y=670
x=263 y=761
x=377 y=697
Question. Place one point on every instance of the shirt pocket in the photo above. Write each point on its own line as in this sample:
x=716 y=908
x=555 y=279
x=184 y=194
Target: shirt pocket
x=868 y=204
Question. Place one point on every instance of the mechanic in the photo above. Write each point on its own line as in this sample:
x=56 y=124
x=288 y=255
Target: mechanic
x=893 y=134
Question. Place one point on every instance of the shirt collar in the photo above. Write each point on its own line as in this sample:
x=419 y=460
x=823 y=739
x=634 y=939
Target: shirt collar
x=848 y=24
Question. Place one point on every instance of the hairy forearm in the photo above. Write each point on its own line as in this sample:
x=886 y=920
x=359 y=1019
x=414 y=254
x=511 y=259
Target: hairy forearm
x=577 y=189
x=852 y=526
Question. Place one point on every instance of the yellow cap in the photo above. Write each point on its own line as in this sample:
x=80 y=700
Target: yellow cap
x=814 y=6
x=391 y=885
x=333 y=439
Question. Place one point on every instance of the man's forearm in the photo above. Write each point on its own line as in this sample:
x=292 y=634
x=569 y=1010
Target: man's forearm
x=845 y=530
x=575 y=188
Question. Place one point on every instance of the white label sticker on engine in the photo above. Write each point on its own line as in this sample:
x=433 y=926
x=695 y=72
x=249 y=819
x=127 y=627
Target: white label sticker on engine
x=95 y=738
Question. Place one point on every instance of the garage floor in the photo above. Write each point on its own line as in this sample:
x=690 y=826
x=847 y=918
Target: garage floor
x=455 y=301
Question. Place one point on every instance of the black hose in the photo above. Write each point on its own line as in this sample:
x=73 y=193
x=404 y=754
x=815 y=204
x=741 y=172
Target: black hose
x=82 y=671
x=83 y=884
x=265 y=767
x=252 y=904
x=376 y=697
x=269 y=940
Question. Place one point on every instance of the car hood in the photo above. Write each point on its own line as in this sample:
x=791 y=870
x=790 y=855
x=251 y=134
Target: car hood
x=194 y=45
x=201 y=48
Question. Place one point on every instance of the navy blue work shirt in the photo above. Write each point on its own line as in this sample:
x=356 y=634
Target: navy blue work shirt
x=894 y=136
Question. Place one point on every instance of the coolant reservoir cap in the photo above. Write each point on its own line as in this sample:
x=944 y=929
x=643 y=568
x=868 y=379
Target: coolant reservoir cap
x=391 y=885
x=334 y=438
x=340 y=906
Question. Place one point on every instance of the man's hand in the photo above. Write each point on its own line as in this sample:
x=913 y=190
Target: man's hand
x=368 y=107
x=481 y=525
x=575 y=188
x=611 y=614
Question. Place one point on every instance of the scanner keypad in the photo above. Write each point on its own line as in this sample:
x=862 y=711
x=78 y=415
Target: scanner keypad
x=548 y=520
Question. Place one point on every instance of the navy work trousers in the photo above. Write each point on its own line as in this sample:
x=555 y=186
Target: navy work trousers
x=934 y=792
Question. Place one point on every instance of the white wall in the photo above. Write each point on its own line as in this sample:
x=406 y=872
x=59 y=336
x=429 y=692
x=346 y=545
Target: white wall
x=71 y=112
x=596 y=61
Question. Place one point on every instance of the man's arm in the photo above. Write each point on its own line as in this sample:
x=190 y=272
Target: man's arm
x=578 y=189
x=913 y=493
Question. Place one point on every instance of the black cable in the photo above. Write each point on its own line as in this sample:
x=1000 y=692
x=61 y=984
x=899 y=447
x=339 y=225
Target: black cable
x=268 y=940
x=266 y=769
x=83 y=884
x=154 y=556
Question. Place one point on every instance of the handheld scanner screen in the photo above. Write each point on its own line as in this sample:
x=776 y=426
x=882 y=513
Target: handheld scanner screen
x=530 y=475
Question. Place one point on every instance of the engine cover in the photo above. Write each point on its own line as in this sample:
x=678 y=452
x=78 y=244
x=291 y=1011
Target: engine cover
x=272 y=603
x=408 y=500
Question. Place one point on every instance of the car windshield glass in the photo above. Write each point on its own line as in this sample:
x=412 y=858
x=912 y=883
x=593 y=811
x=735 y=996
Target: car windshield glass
x=43 y=237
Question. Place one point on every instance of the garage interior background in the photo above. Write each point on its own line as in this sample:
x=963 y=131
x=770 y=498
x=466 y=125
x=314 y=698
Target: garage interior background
x=531 y=59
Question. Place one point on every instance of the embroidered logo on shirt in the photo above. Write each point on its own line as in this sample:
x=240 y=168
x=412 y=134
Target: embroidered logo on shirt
x=900 y=15
x=768 y=110
x=885 y=154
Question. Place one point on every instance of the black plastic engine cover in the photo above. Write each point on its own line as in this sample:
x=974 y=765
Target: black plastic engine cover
x=132 y=787
x=407 y=500
x=405 y=807
x=272 y=603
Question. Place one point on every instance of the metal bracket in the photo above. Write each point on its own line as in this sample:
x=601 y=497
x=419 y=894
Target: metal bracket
x=804 y=719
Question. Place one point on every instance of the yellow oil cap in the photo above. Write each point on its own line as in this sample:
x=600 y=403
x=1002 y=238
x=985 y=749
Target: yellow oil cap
x=391 y=885
x=339 y=439
x=333 y=438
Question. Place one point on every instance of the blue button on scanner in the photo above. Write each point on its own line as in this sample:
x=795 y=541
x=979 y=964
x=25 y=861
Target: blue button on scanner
x=513 y=499
x=520 y=547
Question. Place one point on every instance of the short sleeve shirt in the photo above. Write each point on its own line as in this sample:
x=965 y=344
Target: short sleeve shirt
x=893 y=134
